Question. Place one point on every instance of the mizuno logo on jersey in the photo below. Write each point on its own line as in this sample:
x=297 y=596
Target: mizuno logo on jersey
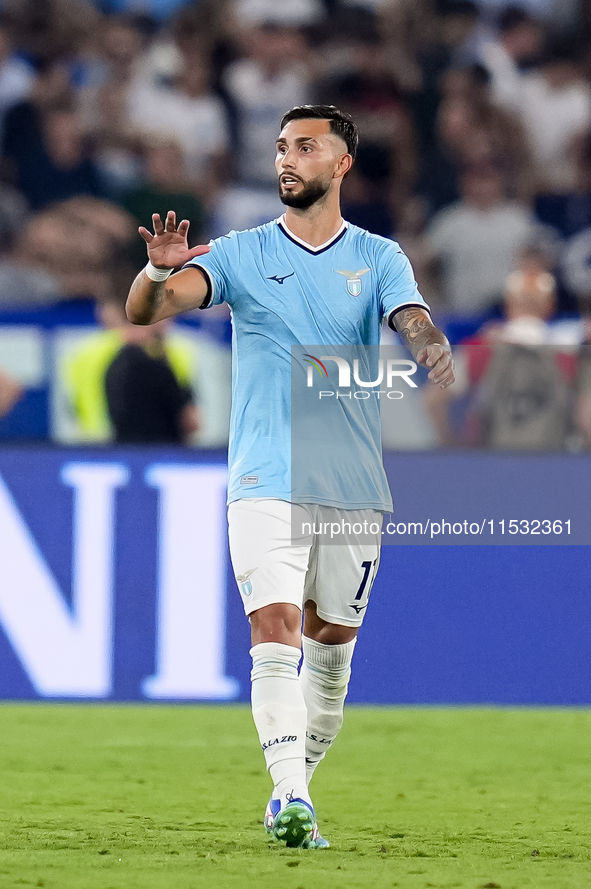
x=354 y=284
x=281 y=278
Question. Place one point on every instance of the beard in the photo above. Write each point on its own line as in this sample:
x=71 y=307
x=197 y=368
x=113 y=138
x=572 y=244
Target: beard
x=311 y=193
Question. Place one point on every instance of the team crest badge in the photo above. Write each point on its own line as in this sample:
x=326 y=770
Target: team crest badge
x=245 y=584
x=354 y=283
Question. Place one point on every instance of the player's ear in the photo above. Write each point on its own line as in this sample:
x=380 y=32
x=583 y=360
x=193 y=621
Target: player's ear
x=344 y=164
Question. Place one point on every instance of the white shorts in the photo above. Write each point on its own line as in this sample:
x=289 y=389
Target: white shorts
x=270 y=567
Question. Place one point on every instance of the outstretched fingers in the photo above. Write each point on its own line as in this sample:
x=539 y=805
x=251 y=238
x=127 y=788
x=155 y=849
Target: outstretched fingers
x=198 y=251
x=146 y=235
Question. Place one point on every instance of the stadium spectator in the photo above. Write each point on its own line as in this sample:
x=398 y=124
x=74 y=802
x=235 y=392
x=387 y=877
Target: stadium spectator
x=583 y=401
x=554 y=105
x=514 y=378
x=519 y=42
x=452 y=26
x=165 y=186
x=114 y=69
x=366 y=194
x=158 y=11
x=490 y=132
x=408 y=28
x=23 y=125
x=368 y=91
x=52 y=29
x=61 y=167
x=272 y=75
x=130 y=384
x=290 y=13
x=476 y=241
x=25 y=282
x=189 y=112
x=16 y=75
x=569 y=215
x=272 y=72
x=11 y=391
x=442 y=161
x=77 y=243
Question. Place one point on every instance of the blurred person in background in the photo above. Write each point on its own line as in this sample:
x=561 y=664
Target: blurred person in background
x=165 y=185
x=62 y=166
x=188 y=111
x=367 y=194
x=16 y=75
x=569 y=216
x=553 y=102
x=50 y=29
x=157 y=11
x=273 y=71
x=76 y=243
x=130 y=384
x=476 y=241
x=209 y=25
x=387 y=159
x=441 y=163
x=505 y=55
x=452 y=25
x=408 y=27
x=51 y=90
x=514 y=377
x=113 y=66
x=292 y=13
x=21 y=283
x=11 y=391
x=583 y=401
x=471 y=130
x=272 y=74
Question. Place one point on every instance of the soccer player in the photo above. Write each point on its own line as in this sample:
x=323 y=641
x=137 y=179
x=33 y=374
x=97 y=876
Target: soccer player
x=293 y=282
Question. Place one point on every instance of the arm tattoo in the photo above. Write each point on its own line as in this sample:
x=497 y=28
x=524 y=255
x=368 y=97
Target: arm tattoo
x=416 y=328
x=159 y=291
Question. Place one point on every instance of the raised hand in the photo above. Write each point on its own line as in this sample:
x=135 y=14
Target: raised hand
x=168 y=247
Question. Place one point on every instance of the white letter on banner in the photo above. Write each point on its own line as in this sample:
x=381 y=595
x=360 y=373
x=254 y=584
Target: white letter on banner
x=191 y=611
x=65 y=651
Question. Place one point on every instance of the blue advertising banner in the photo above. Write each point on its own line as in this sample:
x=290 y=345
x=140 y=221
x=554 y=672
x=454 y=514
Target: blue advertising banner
x=115 y=582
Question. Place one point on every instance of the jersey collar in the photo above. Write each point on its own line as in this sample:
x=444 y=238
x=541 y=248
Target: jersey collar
x=305 y=246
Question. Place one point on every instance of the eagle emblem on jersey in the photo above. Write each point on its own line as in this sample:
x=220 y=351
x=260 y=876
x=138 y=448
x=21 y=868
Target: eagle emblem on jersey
x=245 y=584
x=353 y=280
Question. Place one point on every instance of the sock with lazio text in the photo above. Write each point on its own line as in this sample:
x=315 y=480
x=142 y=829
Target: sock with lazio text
x=324 y=680
x=279 y=713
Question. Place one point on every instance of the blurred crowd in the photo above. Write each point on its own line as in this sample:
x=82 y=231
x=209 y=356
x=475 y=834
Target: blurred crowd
x=475 y=140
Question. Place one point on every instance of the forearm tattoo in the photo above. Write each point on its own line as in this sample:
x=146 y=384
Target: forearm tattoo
x=416 y=328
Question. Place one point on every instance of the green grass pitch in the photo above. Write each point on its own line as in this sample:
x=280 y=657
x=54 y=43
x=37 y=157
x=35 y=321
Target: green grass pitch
x=172 y=797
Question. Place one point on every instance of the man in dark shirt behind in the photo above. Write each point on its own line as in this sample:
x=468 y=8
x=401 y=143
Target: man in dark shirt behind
x=147 y=404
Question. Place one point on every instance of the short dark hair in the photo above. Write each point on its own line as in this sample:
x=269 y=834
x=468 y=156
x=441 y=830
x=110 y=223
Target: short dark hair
x=513 y=17
x=341 y=123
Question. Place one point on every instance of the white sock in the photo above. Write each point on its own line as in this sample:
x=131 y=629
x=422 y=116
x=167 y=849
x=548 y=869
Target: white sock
x=279 y=714
x=324 y=680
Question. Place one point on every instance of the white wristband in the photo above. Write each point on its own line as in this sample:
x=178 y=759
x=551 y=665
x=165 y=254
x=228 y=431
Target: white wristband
x=155 y=274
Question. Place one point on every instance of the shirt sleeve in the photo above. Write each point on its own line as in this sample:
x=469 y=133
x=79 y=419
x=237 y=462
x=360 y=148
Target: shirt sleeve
x=217 y=265
x=397 y=285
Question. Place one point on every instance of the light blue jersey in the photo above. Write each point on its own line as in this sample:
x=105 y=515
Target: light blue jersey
x=283 y=293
